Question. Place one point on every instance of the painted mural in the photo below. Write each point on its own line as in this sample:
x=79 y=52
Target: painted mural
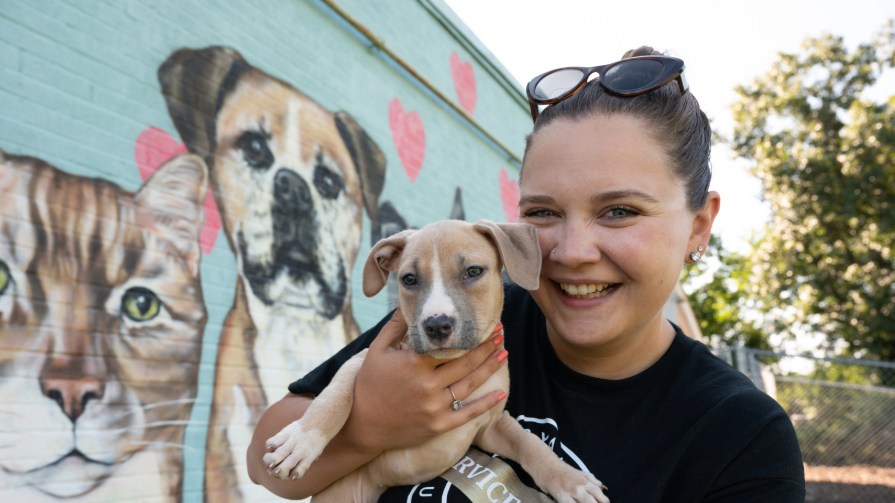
x=178 y=245
x=101 y=318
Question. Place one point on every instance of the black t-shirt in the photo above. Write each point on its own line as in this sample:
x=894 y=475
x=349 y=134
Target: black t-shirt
x=690 y=428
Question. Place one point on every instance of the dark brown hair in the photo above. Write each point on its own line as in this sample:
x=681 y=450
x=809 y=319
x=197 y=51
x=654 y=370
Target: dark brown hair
x=676 y=122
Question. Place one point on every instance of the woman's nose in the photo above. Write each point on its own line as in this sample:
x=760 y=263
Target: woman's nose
x=576 y=244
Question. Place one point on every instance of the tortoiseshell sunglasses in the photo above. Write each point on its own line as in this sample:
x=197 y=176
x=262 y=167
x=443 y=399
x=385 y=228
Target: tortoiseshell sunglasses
x=629 y=77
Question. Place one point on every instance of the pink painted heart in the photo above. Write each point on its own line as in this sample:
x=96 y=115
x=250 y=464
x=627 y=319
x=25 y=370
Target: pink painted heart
x=155 y=146
x=409 y=136
x=463 y=76
x=509 y=194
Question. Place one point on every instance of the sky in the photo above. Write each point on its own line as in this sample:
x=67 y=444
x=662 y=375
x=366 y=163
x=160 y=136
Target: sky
x=723 y=44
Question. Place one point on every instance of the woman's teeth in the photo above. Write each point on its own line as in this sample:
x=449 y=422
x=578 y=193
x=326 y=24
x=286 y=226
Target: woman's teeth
x=587 y=290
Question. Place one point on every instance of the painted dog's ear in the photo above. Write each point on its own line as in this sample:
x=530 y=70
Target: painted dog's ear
x=383 y=259
x=368 y=160
x=518 y=247
x=194 y=83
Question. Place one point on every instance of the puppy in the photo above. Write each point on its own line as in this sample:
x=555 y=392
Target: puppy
x=293 y=181
x=451 y=295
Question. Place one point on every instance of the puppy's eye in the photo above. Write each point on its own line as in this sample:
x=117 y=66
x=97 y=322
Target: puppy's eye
x=255 y=150
x=140 y=304
x=327 y=181
x=408 y=279
x=474 y=271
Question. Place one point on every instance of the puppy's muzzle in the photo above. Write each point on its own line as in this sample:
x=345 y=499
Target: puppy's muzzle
x=439 y=327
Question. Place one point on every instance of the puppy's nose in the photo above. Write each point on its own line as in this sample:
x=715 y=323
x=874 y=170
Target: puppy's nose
x=439 y=327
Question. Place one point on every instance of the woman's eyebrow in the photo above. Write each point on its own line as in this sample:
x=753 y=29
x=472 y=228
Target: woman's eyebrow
x=615 y=195
x=536 y=199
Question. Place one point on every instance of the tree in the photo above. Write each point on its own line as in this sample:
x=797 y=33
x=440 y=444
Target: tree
x=721 y=304
x=825 y=154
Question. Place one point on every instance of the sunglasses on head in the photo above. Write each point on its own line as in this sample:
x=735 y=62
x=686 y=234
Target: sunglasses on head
x=629 y=77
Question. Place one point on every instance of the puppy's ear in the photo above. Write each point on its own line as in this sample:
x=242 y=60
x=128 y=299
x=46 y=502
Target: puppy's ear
x=383 y=258
x=368 y=160
x=194 y=83
x=518 y=247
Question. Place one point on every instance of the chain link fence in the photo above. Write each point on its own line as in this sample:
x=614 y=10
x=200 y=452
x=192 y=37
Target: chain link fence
x=844 y=414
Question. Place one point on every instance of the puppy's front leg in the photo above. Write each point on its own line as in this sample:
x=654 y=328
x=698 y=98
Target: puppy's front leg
x=300 y=443
x=506 y=437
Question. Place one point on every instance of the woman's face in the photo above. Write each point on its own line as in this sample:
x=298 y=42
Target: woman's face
x=614 y=231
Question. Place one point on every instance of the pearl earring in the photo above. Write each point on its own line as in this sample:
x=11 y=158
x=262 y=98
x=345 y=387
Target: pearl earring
x=695 y=256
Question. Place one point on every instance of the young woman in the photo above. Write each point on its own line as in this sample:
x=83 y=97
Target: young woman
x=615 y=178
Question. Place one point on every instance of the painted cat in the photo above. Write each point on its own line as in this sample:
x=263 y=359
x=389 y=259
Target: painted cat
x=101 y=322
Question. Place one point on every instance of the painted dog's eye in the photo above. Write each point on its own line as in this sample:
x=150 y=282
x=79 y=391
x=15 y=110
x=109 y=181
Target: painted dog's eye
x=140 y=304
x=255 y=150
x=474 y=271
x=409 y=279
x=327 y=181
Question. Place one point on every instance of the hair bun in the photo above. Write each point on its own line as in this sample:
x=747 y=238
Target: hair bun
x=643 y=50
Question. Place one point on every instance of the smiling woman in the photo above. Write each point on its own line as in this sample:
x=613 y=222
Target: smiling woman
x=616 y=186
x=611 y=219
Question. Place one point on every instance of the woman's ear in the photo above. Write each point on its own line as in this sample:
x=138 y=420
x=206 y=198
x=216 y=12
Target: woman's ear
x=702 y=223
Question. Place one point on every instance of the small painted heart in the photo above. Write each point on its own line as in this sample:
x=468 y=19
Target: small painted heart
x=155 y=146
x=509 y=194
x=409 y=136
x=463 y=76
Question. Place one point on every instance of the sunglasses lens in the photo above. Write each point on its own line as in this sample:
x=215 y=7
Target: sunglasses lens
x=557 y=83
x=633 y=75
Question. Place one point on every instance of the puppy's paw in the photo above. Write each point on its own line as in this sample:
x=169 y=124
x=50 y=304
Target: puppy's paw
x=577 y=487
x=292 y=450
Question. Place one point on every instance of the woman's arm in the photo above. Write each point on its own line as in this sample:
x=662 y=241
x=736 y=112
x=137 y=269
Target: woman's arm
x=401 y=399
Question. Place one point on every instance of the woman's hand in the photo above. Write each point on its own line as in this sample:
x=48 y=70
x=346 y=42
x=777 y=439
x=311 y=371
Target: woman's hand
x=402 y=399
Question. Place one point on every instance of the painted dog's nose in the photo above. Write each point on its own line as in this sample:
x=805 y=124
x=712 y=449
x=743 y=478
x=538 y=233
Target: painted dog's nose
x=439 y=327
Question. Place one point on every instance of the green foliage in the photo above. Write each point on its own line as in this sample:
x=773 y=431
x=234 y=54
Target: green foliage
x=721 y=303
x=825 y=155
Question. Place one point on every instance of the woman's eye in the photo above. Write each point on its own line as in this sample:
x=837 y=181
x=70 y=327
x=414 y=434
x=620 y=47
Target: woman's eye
x=474 y=271
x=618 y=212
x=408 y=279
x=538 y=213
x=140 y=304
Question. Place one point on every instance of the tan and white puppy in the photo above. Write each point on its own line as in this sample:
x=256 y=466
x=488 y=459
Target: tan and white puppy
x=451 y=295
x=293 y=181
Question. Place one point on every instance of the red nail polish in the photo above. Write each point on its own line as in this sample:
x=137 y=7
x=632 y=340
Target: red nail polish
x=498 y=339
x=502 y=396
x=498 y=328
x=502 y=355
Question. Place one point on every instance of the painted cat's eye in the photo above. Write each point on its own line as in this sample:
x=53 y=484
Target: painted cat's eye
x=140 y=304
x=5 y=277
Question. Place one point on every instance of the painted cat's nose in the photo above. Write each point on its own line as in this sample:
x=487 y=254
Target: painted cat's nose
x=72 y=394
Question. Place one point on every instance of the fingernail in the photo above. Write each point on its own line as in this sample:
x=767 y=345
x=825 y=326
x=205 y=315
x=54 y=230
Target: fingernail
x=498 y=328
x=501 y=396
x=498 y=339
x=502 y=355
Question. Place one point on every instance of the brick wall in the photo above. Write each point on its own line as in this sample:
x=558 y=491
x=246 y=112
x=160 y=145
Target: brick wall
x=162 y=163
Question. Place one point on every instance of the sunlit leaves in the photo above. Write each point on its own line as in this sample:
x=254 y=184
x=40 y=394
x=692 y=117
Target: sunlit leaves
x=825 y=156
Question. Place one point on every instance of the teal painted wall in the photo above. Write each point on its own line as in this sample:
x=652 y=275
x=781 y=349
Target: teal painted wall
x=153 y=302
